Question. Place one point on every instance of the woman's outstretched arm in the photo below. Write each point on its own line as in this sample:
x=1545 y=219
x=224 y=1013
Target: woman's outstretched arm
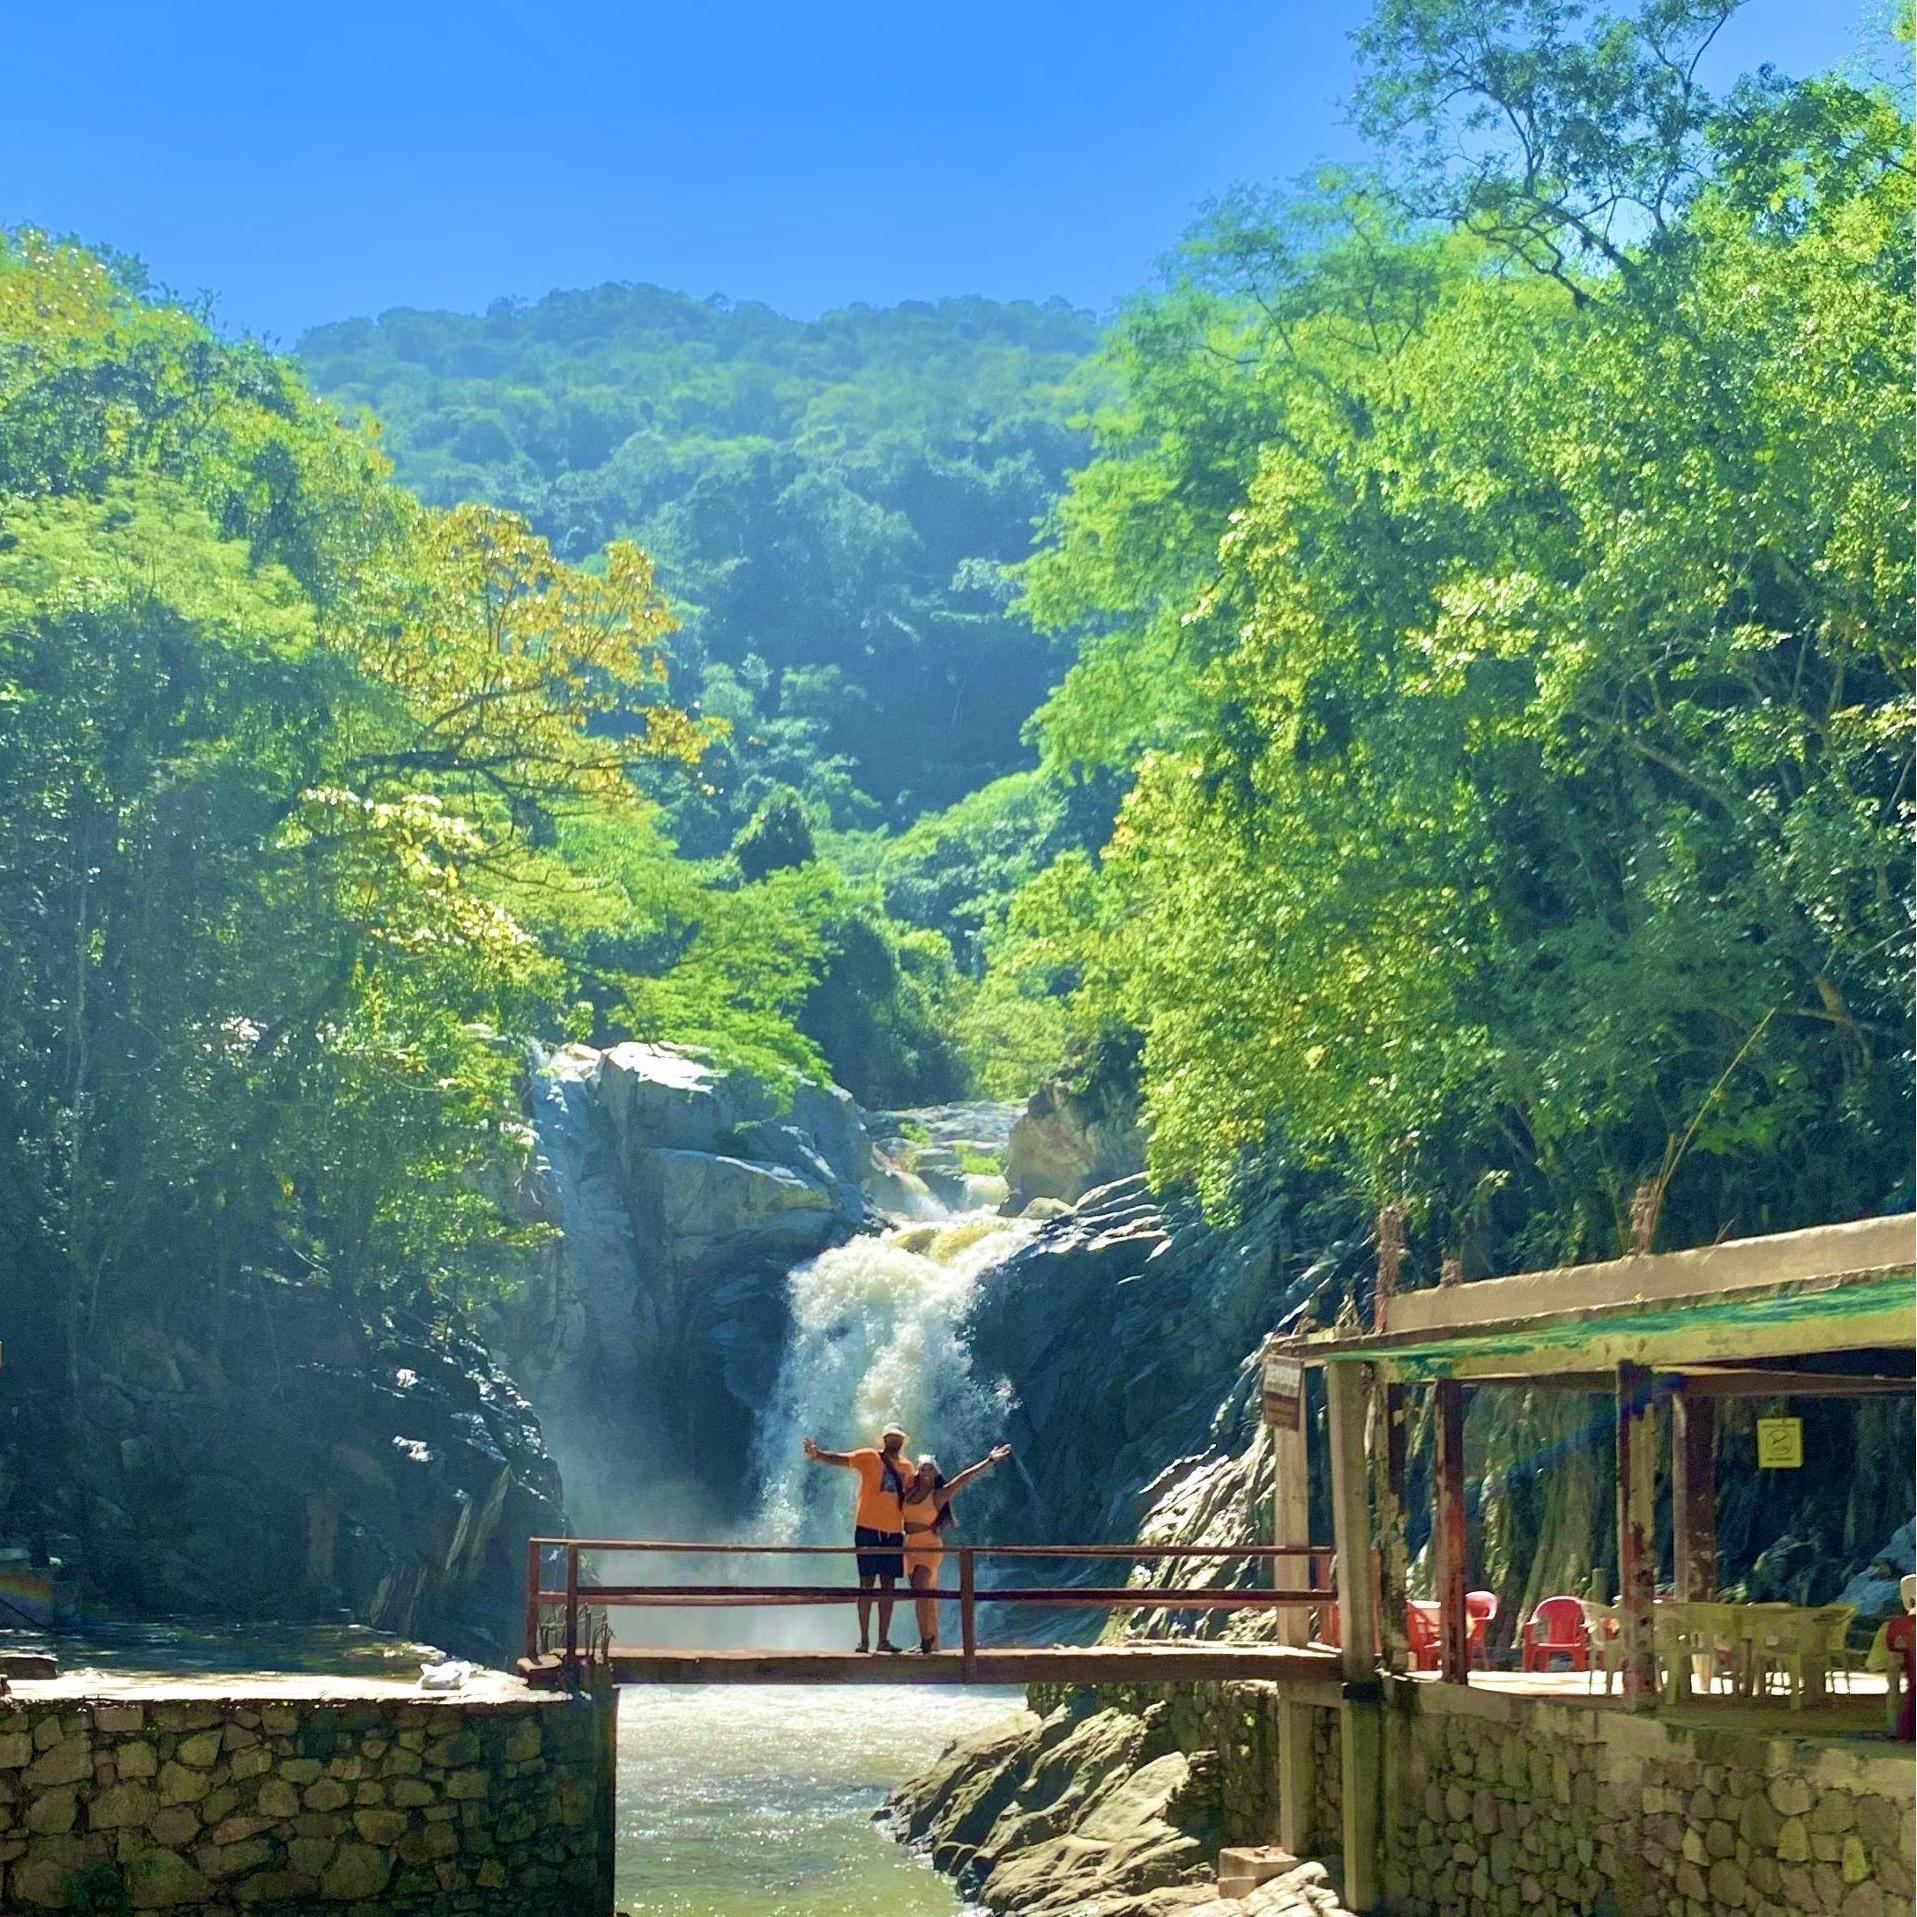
x=956 y=1484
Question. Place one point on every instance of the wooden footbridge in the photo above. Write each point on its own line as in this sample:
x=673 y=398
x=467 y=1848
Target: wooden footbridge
x=571 y=1639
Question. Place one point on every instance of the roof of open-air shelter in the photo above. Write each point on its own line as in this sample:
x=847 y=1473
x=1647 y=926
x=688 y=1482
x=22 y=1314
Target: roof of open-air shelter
x=1804 y=1313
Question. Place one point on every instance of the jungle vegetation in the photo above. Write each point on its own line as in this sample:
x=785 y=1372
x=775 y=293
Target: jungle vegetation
x=1452 y=734
x=831 y=505
x=1494 y=586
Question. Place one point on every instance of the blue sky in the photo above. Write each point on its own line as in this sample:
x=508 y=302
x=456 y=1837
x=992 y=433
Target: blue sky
x=307 y=163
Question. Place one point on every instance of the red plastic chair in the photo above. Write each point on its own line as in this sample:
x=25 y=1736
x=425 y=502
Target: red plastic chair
x=1480 y=1607
x=1421 y=1634
x=1555 y=1629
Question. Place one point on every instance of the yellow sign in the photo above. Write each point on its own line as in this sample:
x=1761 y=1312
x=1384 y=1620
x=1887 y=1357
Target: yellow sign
x=1780 y=1444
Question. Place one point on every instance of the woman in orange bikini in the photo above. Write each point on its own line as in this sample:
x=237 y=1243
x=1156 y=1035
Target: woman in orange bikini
x=928 y=1511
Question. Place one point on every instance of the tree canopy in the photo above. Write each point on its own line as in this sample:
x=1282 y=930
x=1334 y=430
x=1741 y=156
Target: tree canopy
x=321 y=802
x=1499 y=587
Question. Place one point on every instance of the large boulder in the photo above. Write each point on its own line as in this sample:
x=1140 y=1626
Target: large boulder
x=1080 y=1810
x=1066 y=1142
x=1876 y=1590
x=1155 y=1826
x=703 y=1205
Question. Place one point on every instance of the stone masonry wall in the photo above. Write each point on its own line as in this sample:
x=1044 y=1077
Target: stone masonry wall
x=1520 y=1807
x=1500 y=1805
x=224 y=1805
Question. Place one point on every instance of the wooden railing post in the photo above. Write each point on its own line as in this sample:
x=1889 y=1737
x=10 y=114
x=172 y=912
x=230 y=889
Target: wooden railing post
x=572 y=1607
x=532 y=1597
x=968 y=1612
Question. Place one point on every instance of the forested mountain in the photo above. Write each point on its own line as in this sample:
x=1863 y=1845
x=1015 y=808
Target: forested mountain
x=831 y=505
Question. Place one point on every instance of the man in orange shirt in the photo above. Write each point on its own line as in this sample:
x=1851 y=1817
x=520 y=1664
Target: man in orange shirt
x=878 y=1523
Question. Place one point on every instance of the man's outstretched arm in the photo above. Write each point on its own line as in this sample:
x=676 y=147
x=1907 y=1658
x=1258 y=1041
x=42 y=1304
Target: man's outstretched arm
x=817 y=1456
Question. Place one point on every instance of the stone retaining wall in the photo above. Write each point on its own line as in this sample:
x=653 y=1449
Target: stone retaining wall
x=225 y=1804
x=1516 y=1805
x=1503 y=1805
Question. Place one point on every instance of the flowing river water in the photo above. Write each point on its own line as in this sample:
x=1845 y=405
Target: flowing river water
x=758 y=1800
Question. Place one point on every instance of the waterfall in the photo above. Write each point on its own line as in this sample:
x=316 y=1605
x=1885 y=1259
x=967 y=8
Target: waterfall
x=878 y=1337
x=692 y=1330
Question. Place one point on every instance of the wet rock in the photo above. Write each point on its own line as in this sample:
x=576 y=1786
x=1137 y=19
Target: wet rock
x=1081 y=1810
x=1155 y=1826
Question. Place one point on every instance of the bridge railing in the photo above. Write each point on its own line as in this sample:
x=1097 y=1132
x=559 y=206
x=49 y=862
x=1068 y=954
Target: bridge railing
x=576 y=1597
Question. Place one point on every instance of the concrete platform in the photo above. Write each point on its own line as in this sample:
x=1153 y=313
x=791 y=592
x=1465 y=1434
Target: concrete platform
x=1856 y=1711
x=84 y=1684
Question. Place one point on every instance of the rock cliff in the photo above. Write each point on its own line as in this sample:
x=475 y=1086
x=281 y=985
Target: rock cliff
x=1122 y=1332
x=1094 y=1808
x=284 y=1455
x=681 y=1196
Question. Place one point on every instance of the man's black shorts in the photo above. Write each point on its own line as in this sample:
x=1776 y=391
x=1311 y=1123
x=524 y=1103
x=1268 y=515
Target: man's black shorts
x=878 y=1561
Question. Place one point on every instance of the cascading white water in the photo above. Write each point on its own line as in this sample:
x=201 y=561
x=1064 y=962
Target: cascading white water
x=877 y=1337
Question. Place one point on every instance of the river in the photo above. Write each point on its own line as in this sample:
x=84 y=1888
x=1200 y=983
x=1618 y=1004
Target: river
x=759 y=1798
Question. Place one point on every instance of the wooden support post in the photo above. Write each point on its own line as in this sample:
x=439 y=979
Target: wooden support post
x=1361 y=1786
x=1694 y=1496
x=968 y=1613
x=1345 y=1394
x=1449 y=1534
x=532 y=1597
x=572 y=1612
x=1390 y=1236
x=1394 y=1543
x=1636 y=1534
x=1296 y=1765
x=1360 y=1718
x=1289 y=1432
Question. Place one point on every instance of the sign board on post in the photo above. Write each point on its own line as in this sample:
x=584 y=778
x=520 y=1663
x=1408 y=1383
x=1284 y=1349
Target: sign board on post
x=1780 y=1444
x=1284 y=1394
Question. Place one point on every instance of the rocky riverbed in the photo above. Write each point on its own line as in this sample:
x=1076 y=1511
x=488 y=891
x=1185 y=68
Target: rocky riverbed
x=1094 y=1810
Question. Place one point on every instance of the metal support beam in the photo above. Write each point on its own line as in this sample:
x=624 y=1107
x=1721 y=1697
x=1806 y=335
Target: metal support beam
x=1694 y=1495
x=1449 y=1535
x=1636 y=1534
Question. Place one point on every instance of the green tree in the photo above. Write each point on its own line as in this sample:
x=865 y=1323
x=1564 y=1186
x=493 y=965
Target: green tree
x=1521 y=750
x=278 y=744
x=777 y=836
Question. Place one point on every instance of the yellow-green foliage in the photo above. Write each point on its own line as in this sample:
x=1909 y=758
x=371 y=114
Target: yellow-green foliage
x=1514 y=669
x=275 y=742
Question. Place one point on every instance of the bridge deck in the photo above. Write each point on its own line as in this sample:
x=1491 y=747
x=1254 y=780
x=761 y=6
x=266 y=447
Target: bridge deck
x=1311 y=1675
